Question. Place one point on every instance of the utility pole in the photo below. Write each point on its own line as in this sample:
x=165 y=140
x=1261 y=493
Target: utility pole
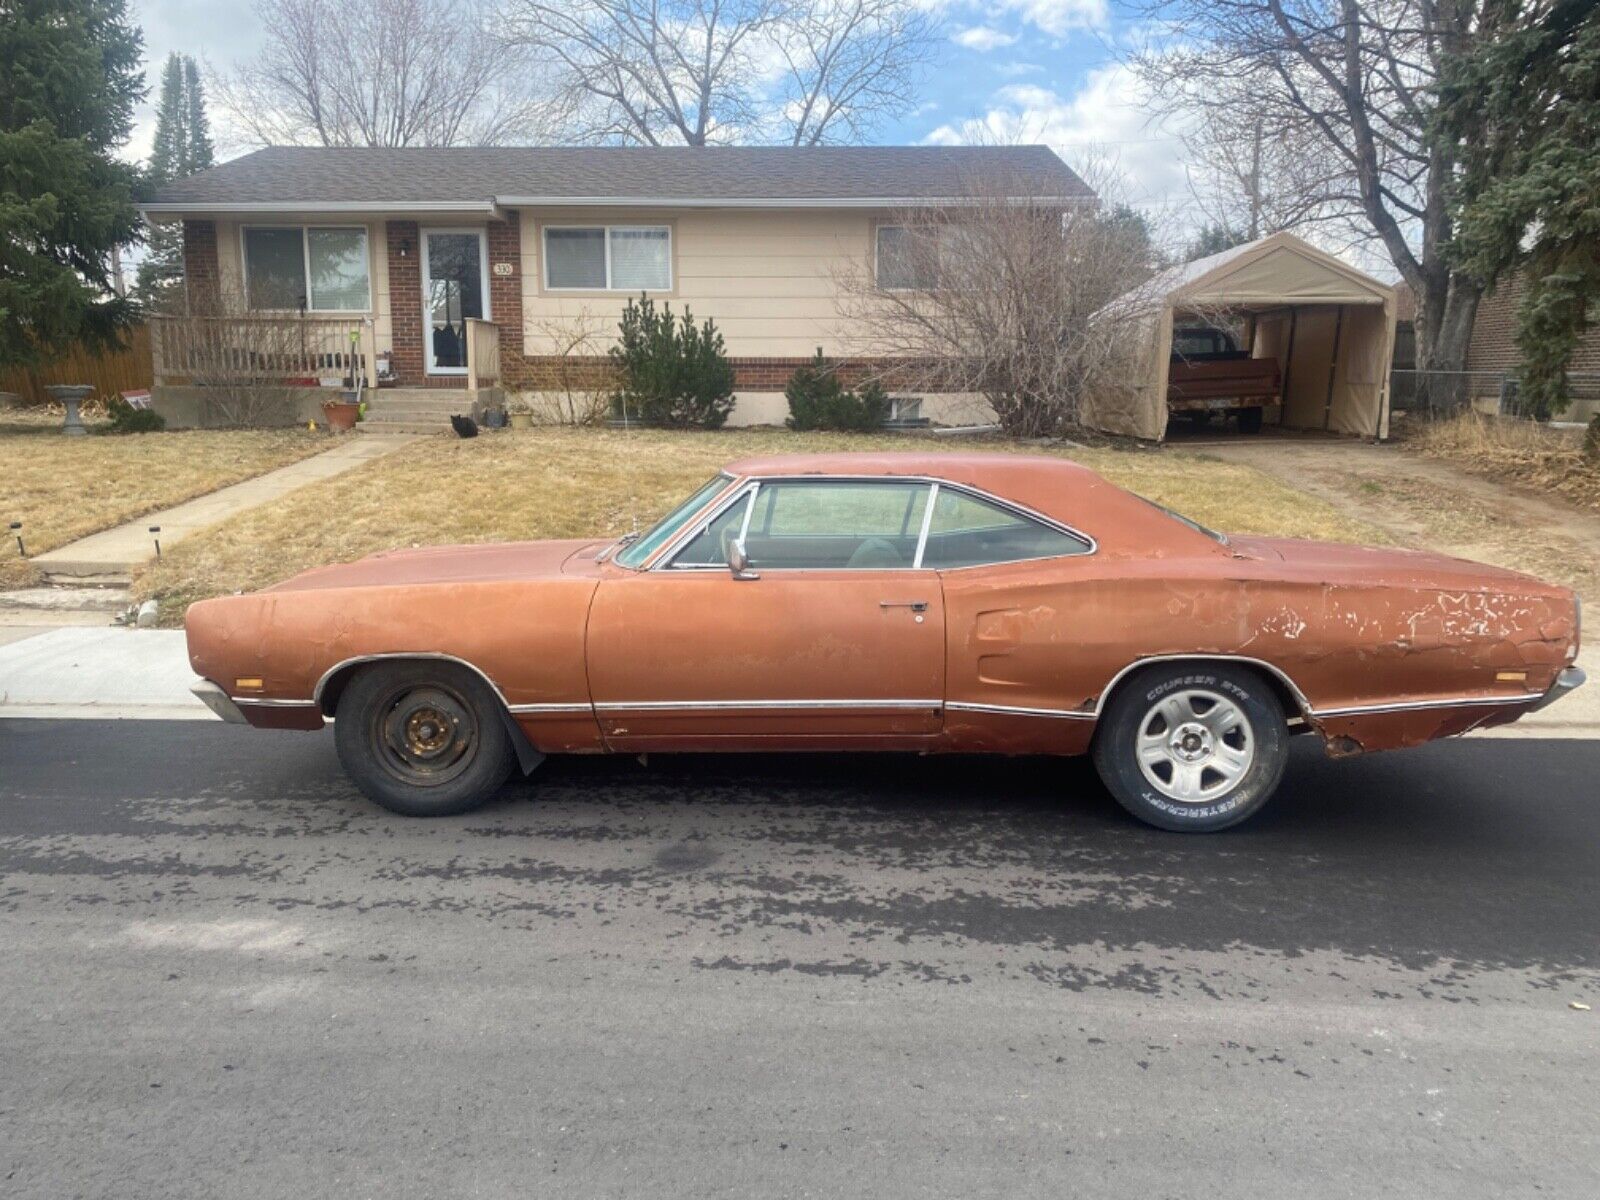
x=118 y=284
x=1255 y=182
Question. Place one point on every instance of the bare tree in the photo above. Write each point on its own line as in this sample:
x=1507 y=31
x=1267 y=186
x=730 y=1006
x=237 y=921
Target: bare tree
x=699 y=72
x=1257 y=176
x=999 y=297
x=580 y=384
x=1355 y=79
x=381 y=73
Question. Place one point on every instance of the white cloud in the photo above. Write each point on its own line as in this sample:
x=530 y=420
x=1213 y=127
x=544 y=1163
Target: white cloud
x=983 y=39
x=1060 y=17
x=1107 y=119
x=1014 y=70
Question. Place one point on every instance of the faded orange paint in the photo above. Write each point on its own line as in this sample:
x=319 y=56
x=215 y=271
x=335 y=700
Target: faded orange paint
x=1334 y=627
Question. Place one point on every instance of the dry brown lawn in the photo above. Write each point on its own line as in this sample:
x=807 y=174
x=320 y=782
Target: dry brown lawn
x=551 y=483
x=1549 y=460
x=65 y=488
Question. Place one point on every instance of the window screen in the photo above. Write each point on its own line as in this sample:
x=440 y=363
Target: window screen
x=620 y=258
x=275 y=268
x=966 y=532
x=641 y=260
x=338 y=259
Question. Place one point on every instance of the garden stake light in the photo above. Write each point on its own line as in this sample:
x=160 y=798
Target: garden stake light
x=16 y=532
x=155 y=534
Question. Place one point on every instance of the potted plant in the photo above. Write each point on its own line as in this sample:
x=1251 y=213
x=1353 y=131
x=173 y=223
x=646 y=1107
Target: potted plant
x=344 y=412
x=521 y=413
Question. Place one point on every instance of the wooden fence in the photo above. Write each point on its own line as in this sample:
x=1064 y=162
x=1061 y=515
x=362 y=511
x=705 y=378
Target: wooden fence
x=114 y=371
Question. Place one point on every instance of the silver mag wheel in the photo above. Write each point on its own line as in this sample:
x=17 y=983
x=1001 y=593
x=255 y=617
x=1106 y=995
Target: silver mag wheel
x=425 y=736
x=1192 y=746
x=1195 y=745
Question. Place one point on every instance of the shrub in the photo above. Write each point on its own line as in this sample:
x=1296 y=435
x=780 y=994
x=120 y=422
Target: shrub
x=125 y=418
x=817 y=400
x=671 y=372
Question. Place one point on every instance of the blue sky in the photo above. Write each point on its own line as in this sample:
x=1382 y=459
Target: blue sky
x=1036 y=70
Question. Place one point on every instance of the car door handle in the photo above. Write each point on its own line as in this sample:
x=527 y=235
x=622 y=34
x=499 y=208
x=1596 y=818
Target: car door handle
x=916 y=606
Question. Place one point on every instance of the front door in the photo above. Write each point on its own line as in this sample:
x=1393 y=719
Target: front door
x=838 y=639
x=454 y=290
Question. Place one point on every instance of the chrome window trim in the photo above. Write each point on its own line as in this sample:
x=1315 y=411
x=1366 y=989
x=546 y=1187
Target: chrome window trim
x=663 y=557
x=927 y=524
x=670 y=546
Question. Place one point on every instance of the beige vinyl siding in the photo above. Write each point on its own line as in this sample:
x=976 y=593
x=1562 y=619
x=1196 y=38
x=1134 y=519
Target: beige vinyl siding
x=230 y=262
x=767 y=277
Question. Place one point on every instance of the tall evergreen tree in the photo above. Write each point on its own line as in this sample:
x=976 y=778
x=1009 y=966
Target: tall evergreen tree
x=200 y=152
x=1528 y=198
x=67 y=92
x=182 y=146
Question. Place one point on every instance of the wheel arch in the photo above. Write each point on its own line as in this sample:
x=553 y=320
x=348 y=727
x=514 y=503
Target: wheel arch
x=337 y=677
x=1295 y=704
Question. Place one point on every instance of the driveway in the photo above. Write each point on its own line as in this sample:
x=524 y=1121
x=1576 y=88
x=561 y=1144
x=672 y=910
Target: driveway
x=227 y=975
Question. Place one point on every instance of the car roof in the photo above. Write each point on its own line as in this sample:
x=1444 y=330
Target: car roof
x=1056 y=487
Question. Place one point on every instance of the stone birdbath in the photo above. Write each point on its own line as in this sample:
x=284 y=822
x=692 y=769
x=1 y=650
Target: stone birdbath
x=70 y=394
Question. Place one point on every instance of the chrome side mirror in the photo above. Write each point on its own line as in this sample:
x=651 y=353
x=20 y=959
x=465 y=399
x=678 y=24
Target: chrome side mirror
x=738 y=564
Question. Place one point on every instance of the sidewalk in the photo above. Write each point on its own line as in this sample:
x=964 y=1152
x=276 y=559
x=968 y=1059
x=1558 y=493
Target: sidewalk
x=115 y=673
x=113 y=553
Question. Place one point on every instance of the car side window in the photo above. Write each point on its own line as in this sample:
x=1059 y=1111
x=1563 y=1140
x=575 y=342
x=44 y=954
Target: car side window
x=819 y=525
x=968 y=532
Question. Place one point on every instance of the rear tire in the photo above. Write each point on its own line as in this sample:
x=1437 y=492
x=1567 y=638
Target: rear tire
x=423 y=738
x=1192 y=747
x=1250 y=420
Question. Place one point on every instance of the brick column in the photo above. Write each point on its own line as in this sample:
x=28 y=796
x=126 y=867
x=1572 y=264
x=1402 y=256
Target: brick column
x=405 y=301
x=202 y=276
x=505 y=297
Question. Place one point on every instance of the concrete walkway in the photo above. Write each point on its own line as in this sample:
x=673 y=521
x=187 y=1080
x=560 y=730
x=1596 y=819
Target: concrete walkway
x=113 y=553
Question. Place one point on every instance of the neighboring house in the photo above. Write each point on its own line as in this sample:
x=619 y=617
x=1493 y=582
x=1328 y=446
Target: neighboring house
x=475 y=267
x=1492 y=354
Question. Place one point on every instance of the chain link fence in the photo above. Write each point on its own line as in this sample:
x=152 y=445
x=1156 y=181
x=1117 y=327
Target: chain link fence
x=1444 y=393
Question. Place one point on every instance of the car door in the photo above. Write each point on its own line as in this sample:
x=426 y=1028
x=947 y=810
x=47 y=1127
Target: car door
x=832 y=635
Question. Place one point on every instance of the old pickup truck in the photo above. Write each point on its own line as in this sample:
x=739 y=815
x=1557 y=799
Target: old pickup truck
x=1210 y=374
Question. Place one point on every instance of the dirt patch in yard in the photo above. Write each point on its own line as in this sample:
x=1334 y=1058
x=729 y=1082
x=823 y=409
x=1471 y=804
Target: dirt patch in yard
x=556 y=483
x=1434 y=504
x=64 y=488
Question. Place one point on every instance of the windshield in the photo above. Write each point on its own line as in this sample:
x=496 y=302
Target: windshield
x=661 y=532
x=1220 y=538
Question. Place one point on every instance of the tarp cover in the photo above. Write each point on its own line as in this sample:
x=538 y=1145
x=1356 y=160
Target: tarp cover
x=1330 y=327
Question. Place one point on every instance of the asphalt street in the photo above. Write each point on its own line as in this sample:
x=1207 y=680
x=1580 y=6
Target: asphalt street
x=225 y=974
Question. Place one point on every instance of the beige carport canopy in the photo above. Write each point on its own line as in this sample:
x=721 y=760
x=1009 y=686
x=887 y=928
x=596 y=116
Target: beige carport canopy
x=1330 y=327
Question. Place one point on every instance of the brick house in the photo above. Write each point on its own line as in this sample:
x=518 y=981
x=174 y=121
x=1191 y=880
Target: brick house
x=474 y=268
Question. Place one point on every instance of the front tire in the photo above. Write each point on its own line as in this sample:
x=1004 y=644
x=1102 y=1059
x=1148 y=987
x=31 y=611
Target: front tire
x=1192 y=747
x=423 y=738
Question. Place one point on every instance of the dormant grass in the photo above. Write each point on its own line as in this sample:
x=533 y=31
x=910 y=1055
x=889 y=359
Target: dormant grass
x=554 y=483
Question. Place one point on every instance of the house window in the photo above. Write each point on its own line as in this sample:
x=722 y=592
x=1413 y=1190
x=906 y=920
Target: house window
x=617 y=258
x=908 y=259
x=317 y=268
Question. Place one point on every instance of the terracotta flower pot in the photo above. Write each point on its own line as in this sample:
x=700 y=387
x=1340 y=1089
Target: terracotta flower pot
x=341 y=415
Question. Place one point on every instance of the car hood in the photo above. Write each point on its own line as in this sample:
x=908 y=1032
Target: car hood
x=1340 y=562
x=492 y=563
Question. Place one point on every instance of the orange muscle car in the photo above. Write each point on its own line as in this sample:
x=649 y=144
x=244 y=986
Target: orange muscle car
x=971 y=603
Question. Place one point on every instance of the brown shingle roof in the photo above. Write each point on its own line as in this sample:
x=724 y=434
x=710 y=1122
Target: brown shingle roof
x=478 y=175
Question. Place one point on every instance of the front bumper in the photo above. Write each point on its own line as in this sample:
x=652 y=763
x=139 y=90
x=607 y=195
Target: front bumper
x=217 y=700
x=1569 y=680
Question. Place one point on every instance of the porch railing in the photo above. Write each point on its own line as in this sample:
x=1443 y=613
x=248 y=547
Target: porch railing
x=483 y=353
x=260 y=348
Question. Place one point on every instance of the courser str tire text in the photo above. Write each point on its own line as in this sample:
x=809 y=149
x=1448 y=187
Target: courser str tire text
x=423 y=738
x=1192 y=747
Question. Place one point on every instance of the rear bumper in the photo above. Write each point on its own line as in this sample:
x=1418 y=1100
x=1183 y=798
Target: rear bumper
x=1569 y=680
x=214 y=698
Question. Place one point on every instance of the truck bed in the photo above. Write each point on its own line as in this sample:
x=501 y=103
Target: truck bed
x=1223 y=382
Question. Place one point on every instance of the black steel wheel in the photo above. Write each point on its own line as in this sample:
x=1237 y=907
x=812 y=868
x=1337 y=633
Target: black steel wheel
x=423 y=738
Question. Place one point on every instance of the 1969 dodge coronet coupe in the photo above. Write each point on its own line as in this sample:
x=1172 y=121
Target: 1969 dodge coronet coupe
x=971 y=603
